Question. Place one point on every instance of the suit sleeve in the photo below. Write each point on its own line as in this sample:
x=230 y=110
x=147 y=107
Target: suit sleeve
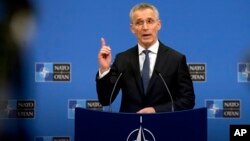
x=185 y=98
x=105 y=85
x=182 y=91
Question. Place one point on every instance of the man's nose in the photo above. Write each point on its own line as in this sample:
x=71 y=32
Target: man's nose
x=145 y=25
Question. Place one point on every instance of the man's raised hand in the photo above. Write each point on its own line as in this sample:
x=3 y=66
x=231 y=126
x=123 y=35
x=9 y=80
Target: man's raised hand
x=104 y=56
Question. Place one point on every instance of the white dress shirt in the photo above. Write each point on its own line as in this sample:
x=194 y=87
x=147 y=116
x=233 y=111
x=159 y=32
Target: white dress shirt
x=152 y=56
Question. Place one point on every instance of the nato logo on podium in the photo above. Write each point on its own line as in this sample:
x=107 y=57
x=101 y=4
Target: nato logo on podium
x=141 y=134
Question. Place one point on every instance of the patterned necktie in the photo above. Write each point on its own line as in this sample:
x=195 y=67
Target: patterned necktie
x=145 y=71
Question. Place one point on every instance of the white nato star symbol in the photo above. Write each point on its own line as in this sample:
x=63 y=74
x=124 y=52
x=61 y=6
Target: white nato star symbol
x=140 y=134
x=44 y=72
x=214 y=108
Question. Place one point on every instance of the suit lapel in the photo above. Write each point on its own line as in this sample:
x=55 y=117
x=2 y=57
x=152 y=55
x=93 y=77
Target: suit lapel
x=136 y=68
x=161 y=55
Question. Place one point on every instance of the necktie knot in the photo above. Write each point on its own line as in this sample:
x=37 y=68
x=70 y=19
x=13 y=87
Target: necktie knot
x=146 y=52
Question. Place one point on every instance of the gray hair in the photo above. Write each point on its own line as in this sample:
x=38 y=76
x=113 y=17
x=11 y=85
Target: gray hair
x=142 y=6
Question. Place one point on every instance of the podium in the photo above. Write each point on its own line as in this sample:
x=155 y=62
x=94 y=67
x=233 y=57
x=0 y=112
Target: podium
x=189 y=125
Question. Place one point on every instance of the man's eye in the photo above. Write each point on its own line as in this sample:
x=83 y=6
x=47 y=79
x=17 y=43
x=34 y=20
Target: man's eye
x=150 y=21
x=139 y=23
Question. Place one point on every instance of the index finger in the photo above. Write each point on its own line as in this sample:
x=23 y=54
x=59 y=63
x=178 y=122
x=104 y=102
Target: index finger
x=103 y=41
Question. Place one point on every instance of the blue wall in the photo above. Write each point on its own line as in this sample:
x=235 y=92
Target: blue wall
x=215 y=33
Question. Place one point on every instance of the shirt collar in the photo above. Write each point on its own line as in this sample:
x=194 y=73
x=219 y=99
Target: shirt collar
x=154 y=48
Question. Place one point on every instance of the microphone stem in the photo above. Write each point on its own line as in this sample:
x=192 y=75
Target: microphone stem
x=172 y=101
x=110 y=103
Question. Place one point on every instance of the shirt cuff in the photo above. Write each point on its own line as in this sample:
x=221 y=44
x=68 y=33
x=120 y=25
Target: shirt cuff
x=101 y=75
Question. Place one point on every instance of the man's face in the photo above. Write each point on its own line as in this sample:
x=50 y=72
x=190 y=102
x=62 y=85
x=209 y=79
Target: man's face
x=145 y=25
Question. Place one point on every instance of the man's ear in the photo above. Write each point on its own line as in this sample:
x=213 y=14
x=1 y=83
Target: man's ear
x=131 y=28
x=159 y=25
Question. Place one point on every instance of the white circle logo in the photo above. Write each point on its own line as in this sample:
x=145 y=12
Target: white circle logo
x=141 y=134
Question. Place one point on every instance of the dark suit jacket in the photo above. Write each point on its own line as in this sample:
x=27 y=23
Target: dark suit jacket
x=172 y=66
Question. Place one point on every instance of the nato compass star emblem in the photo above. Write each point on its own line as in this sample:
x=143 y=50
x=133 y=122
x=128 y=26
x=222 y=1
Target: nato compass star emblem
x=214 y=109
x=141 y=134
x=44 y=72
x=244 y=72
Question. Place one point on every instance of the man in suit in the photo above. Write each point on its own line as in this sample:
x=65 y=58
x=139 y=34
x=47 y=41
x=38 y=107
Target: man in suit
x=141 y=74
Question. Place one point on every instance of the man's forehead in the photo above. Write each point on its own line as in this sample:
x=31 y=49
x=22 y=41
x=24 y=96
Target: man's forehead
x=144 y=13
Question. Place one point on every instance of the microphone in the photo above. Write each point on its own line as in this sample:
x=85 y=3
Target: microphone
x=112 y=93
x=169 y=93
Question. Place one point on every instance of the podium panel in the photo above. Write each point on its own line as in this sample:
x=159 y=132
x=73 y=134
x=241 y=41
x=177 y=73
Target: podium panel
x=189 y=125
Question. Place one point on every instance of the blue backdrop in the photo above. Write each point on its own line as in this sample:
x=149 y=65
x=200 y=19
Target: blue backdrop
x=215 y=33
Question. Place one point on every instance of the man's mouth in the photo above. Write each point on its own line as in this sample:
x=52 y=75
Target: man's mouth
x=146 y=35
